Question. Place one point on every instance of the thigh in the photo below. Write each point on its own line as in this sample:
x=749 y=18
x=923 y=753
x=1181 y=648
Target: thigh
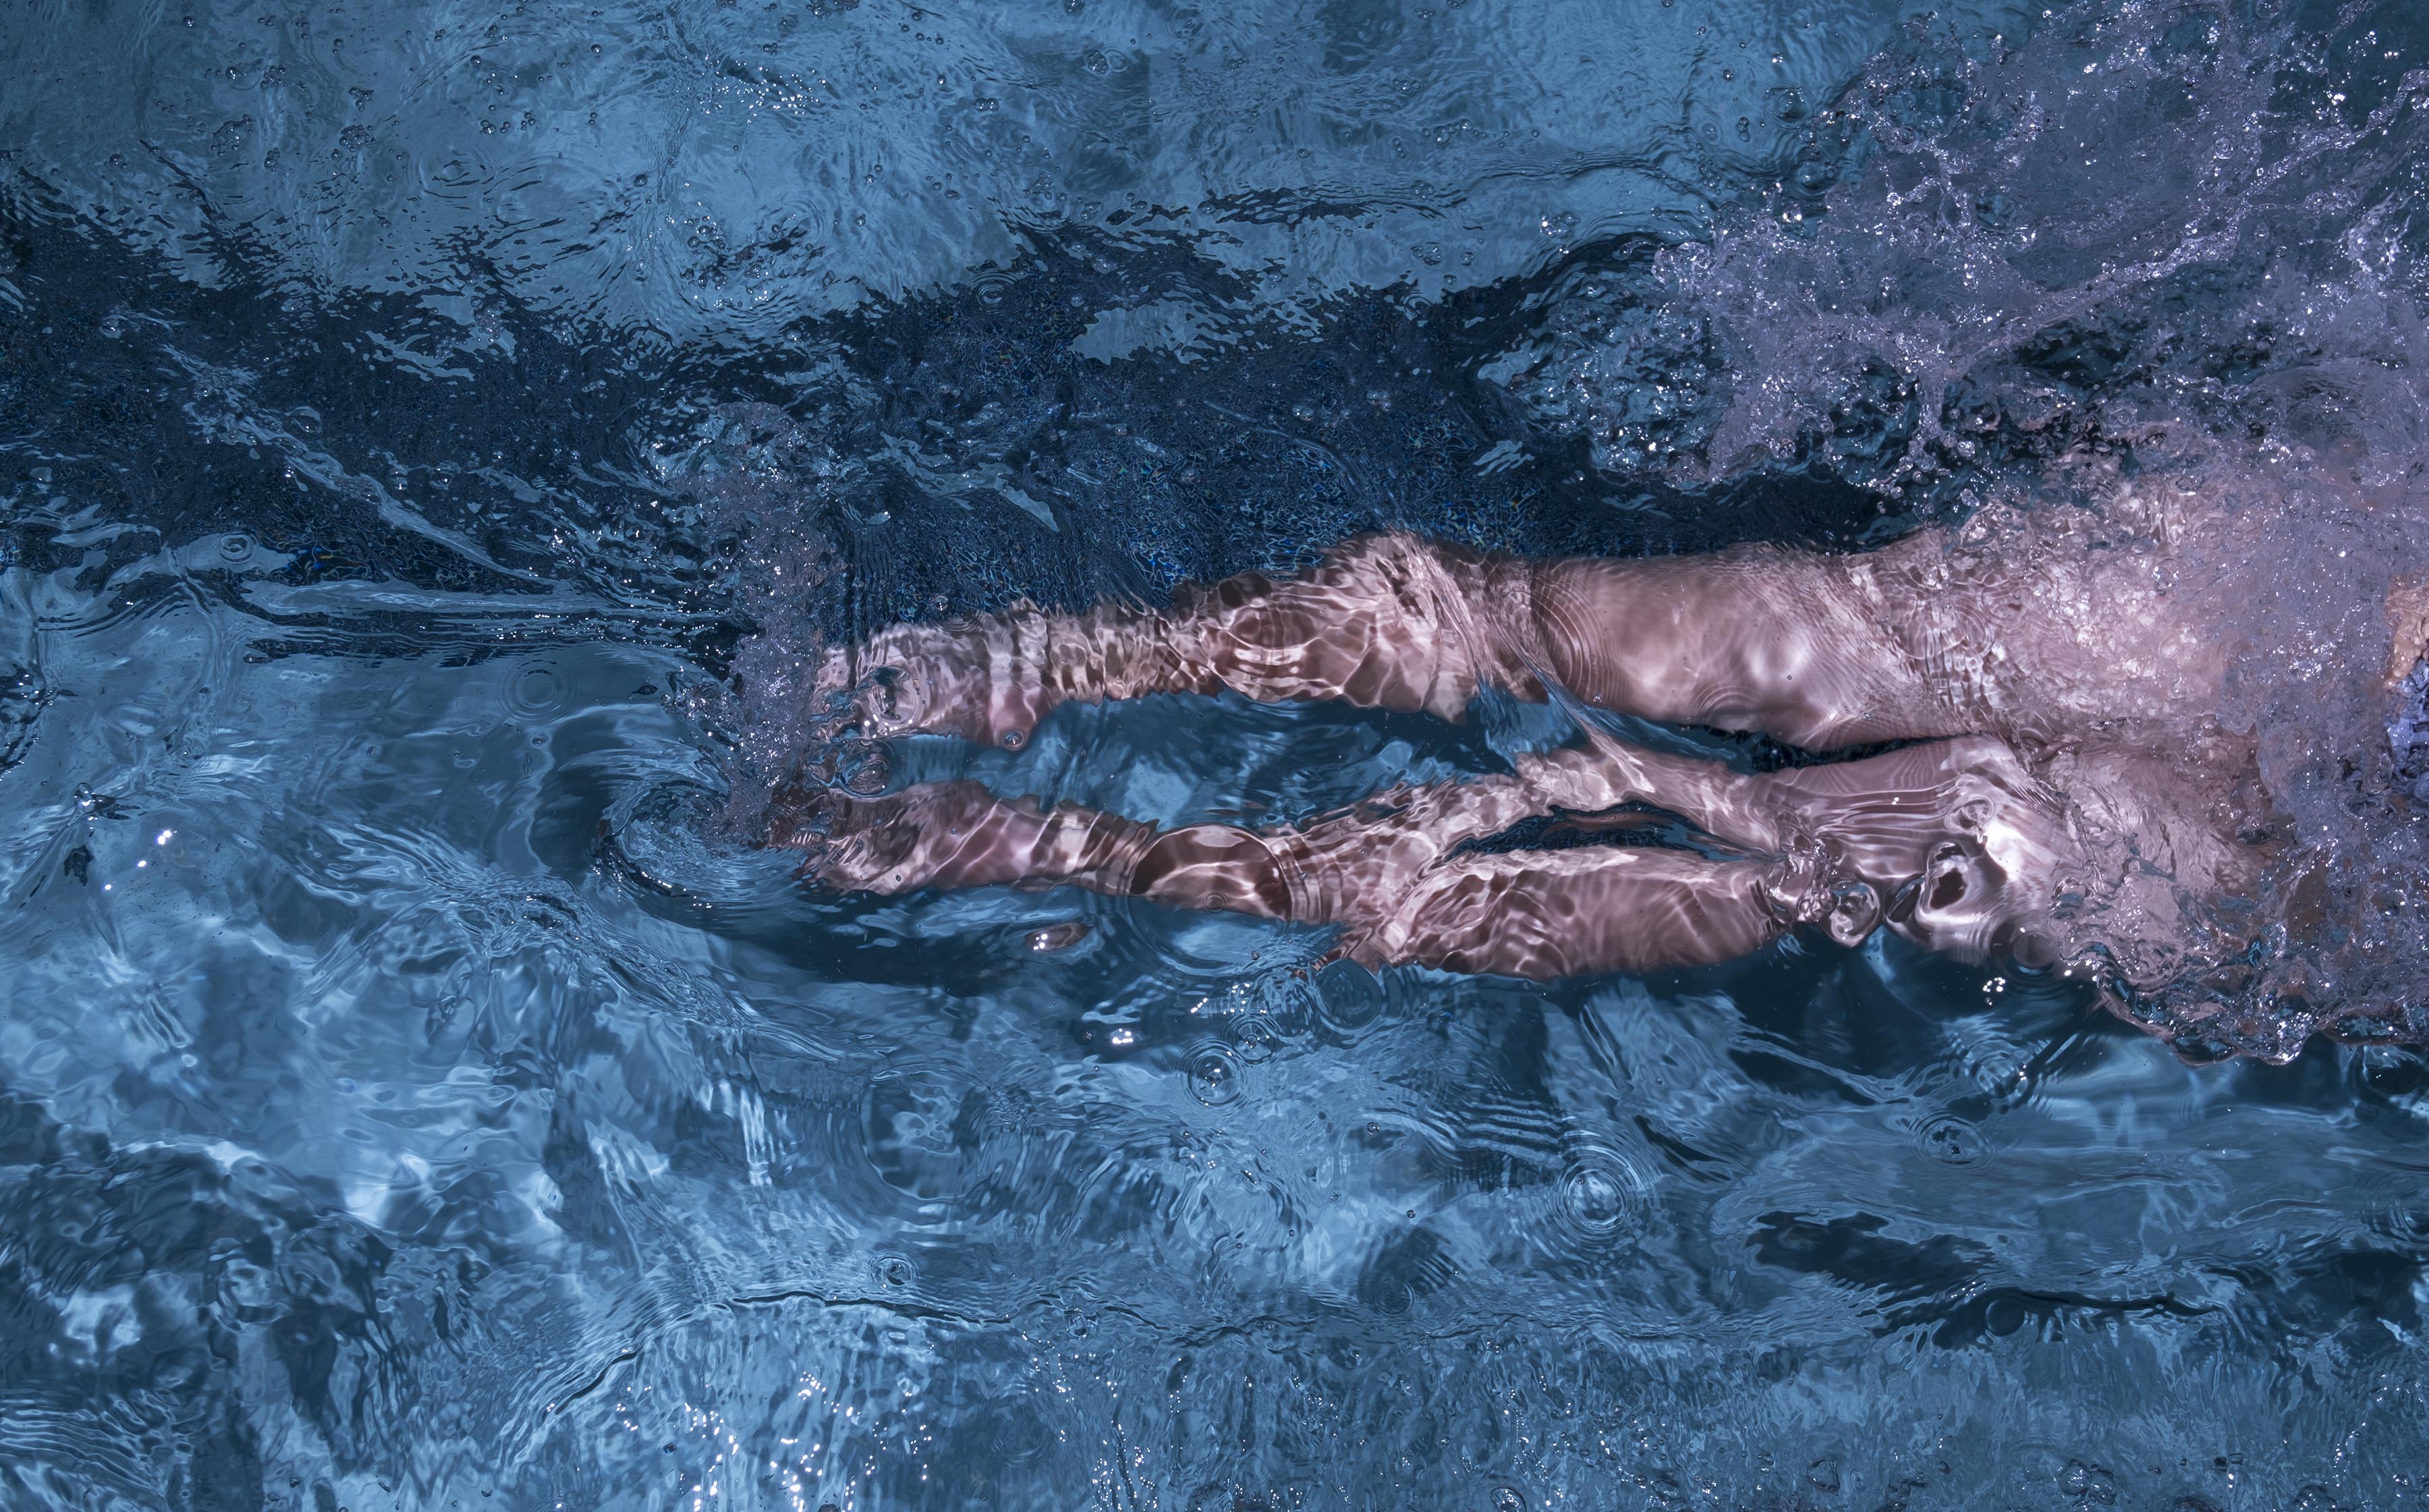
x=1758 y=639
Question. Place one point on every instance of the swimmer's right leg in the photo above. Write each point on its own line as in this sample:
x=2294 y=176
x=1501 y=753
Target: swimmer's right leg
x=1541 y=916
x=1348 y=865
x=1954 y=837
x=1785 y=643
x=1397 y=871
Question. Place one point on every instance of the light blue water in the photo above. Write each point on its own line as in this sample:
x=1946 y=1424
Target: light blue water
x=420 y=425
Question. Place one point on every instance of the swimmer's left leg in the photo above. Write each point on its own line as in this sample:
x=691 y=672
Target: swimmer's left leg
x=1794 y=645
x=1384 y=621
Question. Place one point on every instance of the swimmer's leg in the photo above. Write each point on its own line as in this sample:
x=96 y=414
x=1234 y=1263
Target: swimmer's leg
x=1953 y=843
x=1956 y=839
x=1758 y=639
x=1793 y=645
x=1341 y=866
x=1383 y=621
x=954 y=835
x=1544 y=915
x=1391 y=870
x=1575 y=913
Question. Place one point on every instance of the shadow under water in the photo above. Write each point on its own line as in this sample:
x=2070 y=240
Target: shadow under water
x=422 y=432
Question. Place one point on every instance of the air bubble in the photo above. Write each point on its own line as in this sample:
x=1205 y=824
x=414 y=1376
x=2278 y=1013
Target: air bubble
x=1215 y=1076
x=1952 y=1140
x=1604 y=1195
x=1257 y=1039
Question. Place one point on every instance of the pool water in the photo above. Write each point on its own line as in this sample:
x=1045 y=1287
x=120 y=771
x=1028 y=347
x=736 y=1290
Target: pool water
x=424 y=428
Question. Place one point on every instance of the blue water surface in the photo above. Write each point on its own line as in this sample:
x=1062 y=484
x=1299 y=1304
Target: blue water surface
x=424 y=427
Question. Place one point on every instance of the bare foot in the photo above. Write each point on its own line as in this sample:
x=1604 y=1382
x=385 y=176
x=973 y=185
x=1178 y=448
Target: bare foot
x=926 y=836
x=964 y=678
x=952 y=835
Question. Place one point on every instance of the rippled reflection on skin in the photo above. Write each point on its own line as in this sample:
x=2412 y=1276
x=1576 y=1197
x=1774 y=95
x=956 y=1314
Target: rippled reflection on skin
x=2063 y=792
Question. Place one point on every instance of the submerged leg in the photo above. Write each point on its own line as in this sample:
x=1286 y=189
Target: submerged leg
x=1402 y=899
x=1953 y=842
x=1756 y=638
x=1790 y=644
x=958 y=834
x=1576 y=912
x=1347 y=865
x=1384 y=621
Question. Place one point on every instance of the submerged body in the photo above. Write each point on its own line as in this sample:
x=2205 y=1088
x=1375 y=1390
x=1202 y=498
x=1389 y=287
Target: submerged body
x=2060 y=788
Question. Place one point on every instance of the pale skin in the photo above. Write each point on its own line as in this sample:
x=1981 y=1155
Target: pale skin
x=2053 y=696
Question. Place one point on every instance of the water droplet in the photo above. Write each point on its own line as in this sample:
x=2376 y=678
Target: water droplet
x=1061 y=936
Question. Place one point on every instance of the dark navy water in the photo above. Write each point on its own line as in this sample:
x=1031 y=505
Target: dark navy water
x=424 y=427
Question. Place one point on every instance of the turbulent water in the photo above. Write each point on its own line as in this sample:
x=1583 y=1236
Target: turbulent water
x=423 y=428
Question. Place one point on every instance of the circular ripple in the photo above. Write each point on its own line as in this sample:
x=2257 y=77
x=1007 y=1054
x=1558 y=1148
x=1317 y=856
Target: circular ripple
x=1214 y=1075
x=1952 y=1140
x=2398 y=1206
x=1605 y=1195
x=671 y=840
x=533 y=691
x=862 y=767
x=1288 y=1002
x=1348 y=998
x=907 y=1132
x=236 y=546
x=1255 y=1039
